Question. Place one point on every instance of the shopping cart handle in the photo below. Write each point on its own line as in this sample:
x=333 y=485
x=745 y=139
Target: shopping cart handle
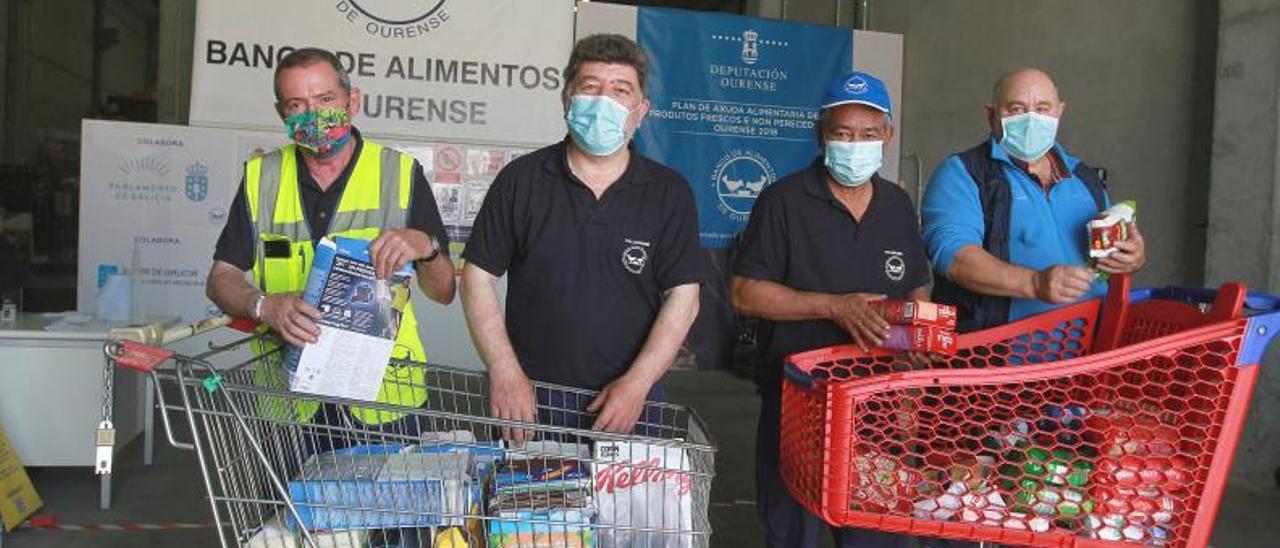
x=1200 y=295
x=798 y=376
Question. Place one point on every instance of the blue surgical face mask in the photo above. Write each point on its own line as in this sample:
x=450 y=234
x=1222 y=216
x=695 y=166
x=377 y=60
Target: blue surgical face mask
x=853 y=164
x=1028 y=136
x=597 y=123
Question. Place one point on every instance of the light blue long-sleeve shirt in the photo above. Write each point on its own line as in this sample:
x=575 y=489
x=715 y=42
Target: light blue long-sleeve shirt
x=1044 y=230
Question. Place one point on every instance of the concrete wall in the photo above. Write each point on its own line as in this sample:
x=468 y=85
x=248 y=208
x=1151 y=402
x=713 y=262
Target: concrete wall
x=54 y=68
x=1244 y=202
x=1136 y=75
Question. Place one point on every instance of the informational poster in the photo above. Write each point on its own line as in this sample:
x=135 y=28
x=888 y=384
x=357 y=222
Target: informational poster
x=159 y=193
x=457 y=70
x=735 y=99
x=460 y=176
x=734 y=103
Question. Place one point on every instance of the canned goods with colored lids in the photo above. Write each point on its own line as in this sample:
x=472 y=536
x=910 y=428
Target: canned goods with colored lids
x=1114 y=520
x=1110 y=533
x=1158 y=533
x=1072 y=495
x=1029 y=484
x=1038 y=454
x=1056 y=479
x=1134 y=533
x=1033 y=468
x=1138 y=517
x=1078 y=479
x=1045 y=509
x=1068 y=509
x=1051 y=496
x=1015 y=523
x=1039 y=525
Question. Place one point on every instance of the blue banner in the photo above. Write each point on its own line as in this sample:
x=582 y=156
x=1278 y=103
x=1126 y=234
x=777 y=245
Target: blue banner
x=734 y=101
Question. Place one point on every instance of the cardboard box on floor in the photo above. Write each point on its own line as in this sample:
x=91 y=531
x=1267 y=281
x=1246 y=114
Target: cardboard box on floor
x=18 y=498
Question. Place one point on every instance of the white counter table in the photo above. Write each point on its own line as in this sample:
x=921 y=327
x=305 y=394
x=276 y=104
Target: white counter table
x=51 y=394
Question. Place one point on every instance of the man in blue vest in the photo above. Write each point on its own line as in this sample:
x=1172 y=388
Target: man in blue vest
x=1005 y=221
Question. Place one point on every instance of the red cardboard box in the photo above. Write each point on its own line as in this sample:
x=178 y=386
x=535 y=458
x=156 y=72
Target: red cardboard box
x=924 y=313
x=919 y=338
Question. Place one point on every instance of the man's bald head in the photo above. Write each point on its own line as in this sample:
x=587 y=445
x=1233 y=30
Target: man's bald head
x=1020 y=79
x=1021 y=91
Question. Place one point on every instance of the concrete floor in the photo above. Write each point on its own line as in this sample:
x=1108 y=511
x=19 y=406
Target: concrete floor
x=171 y=491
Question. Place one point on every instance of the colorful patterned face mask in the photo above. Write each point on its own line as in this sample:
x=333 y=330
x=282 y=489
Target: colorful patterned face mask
x=320 y=132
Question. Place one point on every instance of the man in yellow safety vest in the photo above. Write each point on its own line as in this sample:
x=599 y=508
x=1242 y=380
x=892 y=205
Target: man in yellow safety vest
x=329 y=182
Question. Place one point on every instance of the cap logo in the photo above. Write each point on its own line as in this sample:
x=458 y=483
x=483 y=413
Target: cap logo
x=856 y=85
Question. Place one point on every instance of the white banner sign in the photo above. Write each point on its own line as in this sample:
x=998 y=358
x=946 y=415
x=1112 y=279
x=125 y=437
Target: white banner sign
x=164 y=191
x=457 y=70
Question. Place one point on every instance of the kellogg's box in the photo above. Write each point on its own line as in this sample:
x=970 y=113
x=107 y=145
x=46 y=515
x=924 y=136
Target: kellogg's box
x=640 y=485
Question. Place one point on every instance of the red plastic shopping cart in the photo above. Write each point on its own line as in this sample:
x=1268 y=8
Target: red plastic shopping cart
x=1100 y=424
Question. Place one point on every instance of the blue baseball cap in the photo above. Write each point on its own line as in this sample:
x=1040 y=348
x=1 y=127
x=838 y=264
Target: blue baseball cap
x=859 y=88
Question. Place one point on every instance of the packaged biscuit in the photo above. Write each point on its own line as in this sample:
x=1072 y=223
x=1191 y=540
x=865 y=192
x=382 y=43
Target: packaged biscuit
x=1109 y=227
x=920 y=338
x=898 y=312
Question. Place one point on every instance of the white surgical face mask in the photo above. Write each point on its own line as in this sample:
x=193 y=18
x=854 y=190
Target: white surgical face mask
x=597 y=123
x=1028 y=136
x=853 y=164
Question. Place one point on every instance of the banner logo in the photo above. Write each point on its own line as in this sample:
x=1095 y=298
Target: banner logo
x=105 y=271
x=394 y=18
x=750 y=41
x=217 y=216
x=197 y=184
x=739 y=178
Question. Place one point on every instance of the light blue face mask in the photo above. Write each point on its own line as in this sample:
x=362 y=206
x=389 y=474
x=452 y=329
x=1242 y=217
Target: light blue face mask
x=1028 y=136
x=597 y=123
x=853 y=164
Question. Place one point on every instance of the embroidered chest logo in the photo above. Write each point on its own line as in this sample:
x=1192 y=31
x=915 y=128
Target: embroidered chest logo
x=895 y=268
x=635 y=256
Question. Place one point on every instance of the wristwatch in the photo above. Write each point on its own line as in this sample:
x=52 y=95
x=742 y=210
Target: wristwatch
x=256 y=310
x=435 y=252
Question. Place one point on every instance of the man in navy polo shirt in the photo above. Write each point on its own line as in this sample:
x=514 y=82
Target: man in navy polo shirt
x=600 y=246
x=820 y=244
x=1005 y=220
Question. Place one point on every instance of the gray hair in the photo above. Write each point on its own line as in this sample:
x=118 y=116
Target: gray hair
x=306 y=57
x=605 y=48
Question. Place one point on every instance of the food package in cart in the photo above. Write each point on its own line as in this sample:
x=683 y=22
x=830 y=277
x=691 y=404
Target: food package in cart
x=899 y=312
x=918 y=338
x=642 y=485
x=882 y=484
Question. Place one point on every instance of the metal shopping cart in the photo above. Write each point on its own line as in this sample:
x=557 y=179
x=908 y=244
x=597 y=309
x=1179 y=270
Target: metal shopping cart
x=1100 y=424
x=440 y=475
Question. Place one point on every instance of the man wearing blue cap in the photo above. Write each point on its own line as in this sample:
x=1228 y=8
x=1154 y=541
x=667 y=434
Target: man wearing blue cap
x=820 y=244
x=1005 y=220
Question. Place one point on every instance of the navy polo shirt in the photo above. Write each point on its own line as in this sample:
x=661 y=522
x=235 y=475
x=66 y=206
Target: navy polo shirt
x=802 y=237
x=586 y=276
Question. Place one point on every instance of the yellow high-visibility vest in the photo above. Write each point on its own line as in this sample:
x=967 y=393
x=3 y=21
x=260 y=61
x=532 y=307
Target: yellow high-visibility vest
x=375 y=199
